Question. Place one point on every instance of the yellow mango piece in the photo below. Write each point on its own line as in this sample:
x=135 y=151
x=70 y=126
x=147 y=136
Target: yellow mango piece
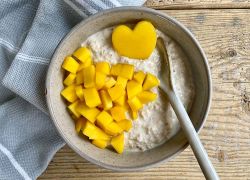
x=70 y=79
x=79 y=124
x=126 y=106
x=122 y=81
x=104 y=119
x=116 y=92
x=146 y=96
x=118 y=113
x=73 y=109
x=89 y=76
x=139 y=77
x=127 y=71
x=125 y=124
x=81 y=67
x=121 y=100
x=103 y=67
x=135 y=104
x=138 y=43
x=79 y=92
x=118 y=143
x=113 y=129
x=87 y=62
x=100 y=79
x=92 y=98
x=150 y=82
x=122 y=70
x=70 y=64
x=133 y=88
x=94 y=132
x=116 y=69
x=110 y=82
x=79 y=77
x=82 y=54
x=69 y=93
x=89 y=113
x=100 y=143
x=134 y=115
x=106 y=100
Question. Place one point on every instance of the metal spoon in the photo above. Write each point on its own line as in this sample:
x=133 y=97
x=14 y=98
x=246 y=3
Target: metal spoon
x=185 y=122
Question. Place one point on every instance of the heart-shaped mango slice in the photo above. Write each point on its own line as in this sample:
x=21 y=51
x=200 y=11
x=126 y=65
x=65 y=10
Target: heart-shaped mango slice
x=138 y=43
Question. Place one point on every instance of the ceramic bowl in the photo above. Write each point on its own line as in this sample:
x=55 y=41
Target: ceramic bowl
x=128 y=161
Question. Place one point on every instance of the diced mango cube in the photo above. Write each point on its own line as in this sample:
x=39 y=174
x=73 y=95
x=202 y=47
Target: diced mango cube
x=79 y=92
x=91 y=97
x=150 y=82
x=139 y=77
x=94 y=132
x=69 y=93
x=100 y=79
x=115 y=69
x=118 y=143
x=82 y=54
x=110 y=82
x=113 y=129
x=87 y=62
x=103 y=67
x=104 y=119
x=123 y=70
x=79 y=124
x=126 y=106
x=89 y=113
x=106 y=100
x=81 y=67
x=70 y=64
x=125 y=124
x=133 y=88
x=100 y=143
x=116 y=92
x=135 y=104
x=89 y=76
x=146 y=96
x=134 y=115
x=122 y=81
x=79 y=77
x=70 y=79
x=100 y=134
x=73 y=109
x=118 y=113
x=121 y=100
x=127 y=71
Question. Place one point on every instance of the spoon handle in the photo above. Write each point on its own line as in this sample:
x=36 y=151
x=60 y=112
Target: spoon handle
x=192 y=136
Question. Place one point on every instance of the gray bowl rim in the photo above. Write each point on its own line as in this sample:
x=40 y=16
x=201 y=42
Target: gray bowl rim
x=153 y=12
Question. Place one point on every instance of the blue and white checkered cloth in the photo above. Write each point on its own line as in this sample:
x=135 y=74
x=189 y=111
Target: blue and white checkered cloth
x=30 y=30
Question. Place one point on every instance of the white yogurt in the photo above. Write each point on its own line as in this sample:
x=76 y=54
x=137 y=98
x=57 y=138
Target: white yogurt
x=157 y=121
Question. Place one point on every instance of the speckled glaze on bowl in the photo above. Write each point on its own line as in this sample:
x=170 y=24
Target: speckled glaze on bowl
x=128 y=161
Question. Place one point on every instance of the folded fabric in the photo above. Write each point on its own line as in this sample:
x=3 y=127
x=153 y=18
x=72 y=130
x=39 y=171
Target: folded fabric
x=30 y=30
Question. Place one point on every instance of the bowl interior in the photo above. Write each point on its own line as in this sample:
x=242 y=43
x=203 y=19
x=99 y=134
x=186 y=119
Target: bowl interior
x=64 y=123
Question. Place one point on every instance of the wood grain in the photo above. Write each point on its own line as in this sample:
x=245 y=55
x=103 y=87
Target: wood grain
x=198 y=4
x=224 y=34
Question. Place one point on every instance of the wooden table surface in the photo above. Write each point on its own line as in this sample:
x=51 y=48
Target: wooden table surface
x=223 y=30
